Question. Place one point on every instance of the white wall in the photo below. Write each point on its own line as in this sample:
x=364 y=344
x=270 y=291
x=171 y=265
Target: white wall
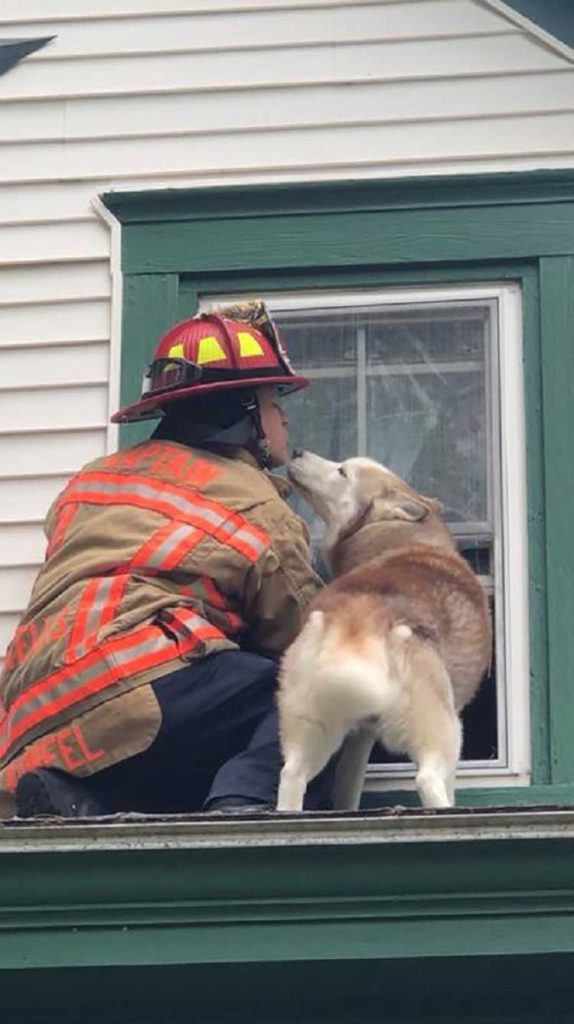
x=136 y=94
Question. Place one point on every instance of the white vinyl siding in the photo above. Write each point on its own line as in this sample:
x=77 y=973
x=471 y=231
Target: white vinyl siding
x=134 y=94
x=286 y=65
x=25 y=499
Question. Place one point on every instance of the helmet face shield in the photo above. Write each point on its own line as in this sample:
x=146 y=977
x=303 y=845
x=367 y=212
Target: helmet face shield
x=209 y=353
x=168 y=375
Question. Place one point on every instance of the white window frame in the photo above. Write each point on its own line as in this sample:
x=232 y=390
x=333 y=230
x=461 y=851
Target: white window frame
x=506 y=403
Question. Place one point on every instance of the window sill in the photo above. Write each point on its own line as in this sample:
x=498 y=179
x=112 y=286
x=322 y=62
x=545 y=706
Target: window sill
x=391 y=825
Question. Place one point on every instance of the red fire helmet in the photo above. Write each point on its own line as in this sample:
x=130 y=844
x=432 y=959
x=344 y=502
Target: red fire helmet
x=210 y=353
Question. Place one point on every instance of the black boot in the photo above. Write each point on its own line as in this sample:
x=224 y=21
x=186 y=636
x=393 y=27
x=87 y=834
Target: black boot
x=48 y=791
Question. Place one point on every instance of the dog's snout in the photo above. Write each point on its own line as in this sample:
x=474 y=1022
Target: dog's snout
x=297 y=453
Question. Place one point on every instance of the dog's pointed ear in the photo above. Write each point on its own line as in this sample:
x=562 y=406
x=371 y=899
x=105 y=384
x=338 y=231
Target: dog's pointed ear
x=433 y=505
x=411 y=510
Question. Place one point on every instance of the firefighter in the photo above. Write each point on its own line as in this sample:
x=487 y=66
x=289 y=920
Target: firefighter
x=142 y=675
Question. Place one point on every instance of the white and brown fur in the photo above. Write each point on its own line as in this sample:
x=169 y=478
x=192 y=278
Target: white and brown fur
x=392 y=649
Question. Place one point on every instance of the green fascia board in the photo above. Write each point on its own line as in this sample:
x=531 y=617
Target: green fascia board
x=245 y=201
x=471 y=218
x=402 y=897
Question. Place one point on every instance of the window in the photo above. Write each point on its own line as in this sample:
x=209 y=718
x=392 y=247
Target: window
x=498 y=243
x=428 y=382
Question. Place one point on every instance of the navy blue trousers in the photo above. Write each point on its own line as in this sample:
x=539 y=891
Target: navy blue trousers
x=218 y=738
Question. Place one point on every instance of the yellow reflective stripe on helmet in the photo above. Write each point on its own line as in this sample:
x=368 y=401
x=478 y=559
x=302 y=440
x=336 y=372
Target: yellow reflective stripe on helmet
x=248 y=345
x=209 y=350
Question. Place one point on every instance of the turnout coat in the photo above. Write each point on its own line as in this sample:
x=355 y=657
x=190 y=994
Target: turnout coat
x=157 y=555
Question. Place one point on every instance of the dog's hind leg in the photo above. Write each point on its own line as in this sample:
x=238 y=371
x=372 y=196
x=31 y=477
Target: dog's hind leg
x=436 y=756
x=306 y=750
x=434 y=729
x=351 y=770
x=451 y=782
x=292 y=787
x=434 y=781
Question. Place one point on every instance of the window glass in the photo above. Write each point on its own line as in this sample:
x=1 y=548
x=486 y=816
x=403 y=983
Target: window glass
x=412 y=388
x=407 y=388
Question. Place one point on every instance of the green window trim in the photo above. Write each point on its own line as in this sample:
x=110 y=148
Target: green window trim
x=180 y=244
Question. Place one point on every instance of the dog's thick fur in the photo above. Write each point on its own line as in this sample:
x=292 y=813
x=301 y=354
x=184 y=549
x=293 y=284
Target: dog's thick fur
x=392 y=649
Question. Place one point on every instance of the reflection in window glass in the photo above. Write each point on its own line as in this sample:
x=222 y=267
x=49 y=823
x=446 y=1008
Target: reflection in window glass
x=407 y=388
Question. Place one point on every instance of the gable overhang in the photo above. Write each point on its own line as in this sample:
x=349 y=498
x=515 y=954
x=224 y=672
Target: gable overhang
x=12 y=51
x=551 y=23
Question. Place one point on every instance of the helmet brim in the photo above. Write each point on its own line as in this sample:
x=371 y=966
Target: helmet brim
x=153 y=406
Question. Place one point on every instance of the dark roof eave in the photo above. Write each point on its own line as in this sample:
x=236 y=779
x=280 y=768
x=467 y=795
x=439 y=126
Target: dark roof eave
x=12 y=51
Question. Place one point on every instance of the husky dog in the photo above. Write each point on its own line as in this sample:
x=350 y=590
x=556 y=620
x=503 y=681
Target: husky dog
x=392 y=649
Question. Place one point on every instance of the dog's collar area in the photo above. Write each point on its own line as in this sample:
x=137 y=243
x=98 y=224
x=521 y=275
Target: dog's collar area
x=378 y=826
x=354 y=525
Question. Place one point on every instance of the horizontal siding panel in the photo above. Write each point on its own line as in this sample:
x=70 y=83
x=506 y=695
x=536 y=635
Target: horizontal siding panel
x=45 y=453
x=34 y=120
x=38 y=243
x=54 y=408
x=22 y=544
x=316 y=148
x=15 y=587
x=22 y=203
x=52 y=322
x=8 y=625
x=40 y=284
x=92 y=10
x=339 y=24
x=317 y=105
x=34 y=455
x=64 y=364
x=28 y=500
x=312 y=105
x=286 y=66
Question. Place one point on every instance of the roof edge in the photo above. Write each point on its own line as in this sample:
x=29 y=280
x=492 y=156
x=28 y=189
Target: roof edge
x=541 y=20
